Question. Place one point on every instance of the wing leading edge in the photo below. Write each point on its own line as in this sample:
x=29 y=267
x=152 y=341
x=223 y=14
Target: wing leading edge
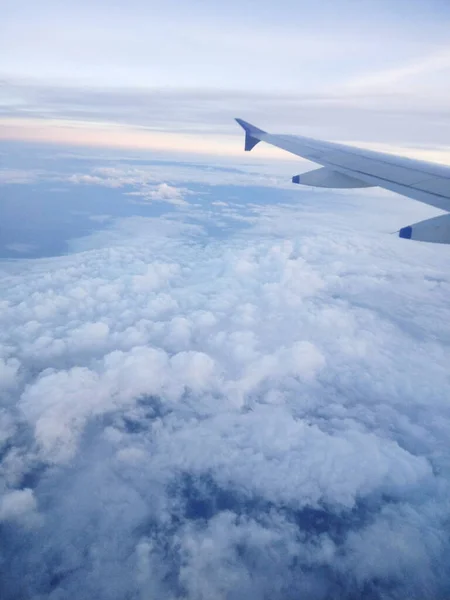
x=349 y=167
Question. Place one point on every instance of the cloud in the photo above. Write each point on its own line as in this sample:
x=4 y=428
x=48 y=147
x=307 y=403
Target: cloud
x=148 y=177
x=92 y=180
x=9 y=369
x=21 y=248
x=256 y=414
x=19 y=176
x=202 y=120
x=416 y=71
x=18 y=505
x=163 y=192
x=100 y=218
x=110 y=177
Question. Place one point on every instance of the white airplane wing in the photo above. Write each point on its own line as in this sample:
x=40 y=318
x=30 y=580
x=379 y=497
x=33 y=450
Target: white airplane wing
x=348 y=167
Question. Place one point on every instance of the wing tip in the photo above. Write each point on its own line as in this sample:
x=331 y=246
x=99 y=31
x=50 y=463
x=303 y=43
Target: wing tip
x=251 y=134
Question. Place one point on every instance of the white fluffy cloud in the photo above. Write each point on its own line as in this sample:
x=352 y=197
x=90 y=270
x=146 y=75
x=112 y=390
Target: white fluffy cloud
x=261 y=414
x=18 y=505
x=163 y=193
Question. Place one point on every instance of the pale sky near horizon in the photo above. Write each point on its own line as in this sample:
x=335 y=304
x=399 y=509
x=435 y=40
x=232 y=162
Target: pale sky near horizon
x=126 y=75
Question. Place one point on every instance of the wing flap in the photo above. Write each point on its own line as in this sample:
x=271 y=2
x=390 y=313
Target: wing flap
x=328 y=178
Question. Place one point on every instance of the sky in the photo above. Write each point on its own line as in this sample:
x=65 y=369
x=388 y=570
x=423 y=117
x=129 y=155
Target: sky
x=216 y=385
x=173 y=76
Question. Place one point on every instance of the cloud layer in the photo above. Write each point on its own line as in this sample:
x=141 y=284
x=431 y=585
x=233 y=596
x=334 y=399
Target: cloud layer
x=259 y=414
x=363 y=107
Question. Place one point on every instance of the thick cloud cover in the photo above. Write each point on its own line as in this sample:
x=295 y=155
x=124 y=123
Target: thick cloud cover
x=260 y=414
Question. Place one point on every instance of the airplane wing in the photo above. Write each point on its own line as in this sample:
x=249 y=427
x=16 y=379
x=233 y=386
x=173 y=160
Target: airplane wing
x=348 y=167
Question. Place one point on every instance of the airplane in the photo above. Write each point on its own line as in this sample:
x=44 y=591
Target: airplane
x=349 y=167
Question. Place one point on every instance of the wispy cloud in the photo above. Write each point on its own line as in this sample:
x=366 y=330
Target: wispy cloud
x=415 y=74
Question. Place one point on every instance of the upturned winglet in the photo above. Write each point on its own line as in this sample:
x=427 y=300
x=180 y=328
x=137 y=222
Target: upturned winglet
x=252 y=134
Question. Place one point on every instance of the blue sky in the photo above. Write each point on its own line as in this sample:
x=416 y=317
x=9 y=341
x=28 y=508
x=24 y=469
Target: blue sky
x=213 y=383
